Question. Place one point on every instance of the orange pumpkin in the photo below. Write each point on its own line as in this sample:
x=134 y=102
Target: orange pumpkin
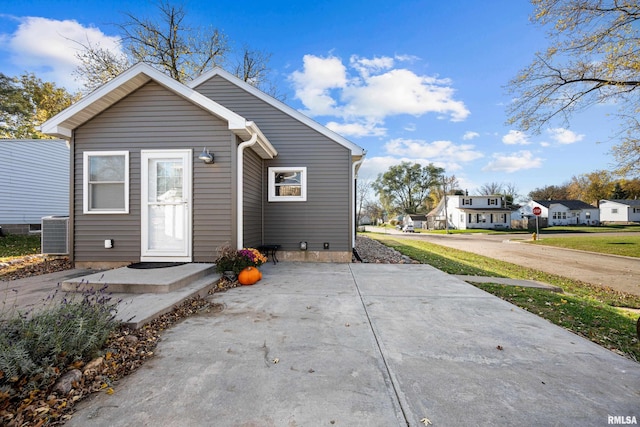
x=249 y=276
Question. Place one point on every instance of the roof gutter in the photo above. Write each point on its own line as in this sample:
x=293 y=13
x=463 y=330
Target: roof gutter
x=240 y=189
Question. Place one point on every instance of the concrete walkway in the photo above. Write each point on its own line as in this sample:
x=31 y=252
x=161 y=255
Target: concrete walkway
x=368 y=345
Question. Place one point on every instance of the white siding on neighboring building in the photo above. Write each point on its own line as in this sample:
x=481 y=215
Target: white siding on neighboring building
x=466 y=212
x=34 y=180
x=619 y=211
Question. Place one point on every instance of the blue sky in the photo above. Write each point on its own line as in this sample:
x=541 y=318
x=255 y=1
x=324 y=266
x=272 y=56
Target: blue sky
x=420 y=81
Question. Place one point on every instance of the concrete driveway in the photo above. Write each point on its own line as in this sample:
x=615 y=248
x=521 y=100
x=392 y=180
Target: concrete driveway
x=368 y=345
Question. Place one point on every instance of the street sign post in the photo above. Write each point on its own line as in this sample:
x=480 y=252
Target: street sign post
x=537 y=211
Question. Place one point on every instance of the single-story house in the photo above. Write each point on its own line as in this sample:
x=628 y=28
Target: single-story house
x=34 y=183
x=621 y=211
x=465 y=212
x=563 y=212
x=165 y=171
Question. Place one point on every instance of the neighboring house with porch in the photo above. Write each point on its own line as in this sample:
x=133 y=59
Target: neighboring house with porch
x=563 y=212
x=34 y=183
x=619 y=211
x=163 y=171
x=470 y=212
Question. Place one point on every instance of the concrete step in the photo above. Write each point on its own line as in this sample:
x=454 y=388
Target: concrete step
x=141 y=281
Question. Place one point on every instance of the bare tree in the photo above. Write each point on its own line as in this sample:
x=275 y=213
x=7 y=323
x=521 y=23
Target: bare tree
x=169 y=44
x=490 y=189
x=98 y=65
x=173 y=47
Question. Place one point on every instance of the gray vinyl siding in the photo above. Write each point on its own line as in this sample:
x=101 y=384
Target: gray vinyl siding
x=325 y=216
x=252 y=199
x=34 y=180
x=155 y=118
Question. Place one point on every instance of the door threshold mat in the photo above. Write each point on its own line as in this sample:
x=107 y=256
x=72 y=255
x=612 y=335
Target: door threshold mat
x=150 y=265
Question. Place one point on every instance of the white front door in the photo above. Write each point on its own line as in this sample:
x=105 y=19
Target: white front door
x=166 y=205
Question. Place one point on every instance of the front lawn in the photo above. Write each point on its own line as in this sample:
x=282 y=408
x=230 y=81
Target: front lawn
x=17 y=245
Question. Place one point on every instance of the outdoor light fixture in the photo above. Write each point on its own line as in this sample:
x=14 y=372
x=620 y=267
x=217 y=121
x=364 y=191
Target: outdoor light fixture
x=303 y=246
x=205 y=156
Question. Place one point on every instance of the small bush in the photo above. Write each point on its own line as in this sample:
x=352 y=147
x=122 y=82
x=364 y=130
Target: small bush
x=35 y=347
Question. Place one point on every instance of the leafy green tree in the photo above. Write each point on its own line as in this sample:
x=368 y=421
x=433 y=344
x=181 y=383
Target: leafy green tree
x=591 y=187
x=27 y=102
x=630 y=188
x=406 y=187
x=593 y=58
x=550 y=192
x=618 y=192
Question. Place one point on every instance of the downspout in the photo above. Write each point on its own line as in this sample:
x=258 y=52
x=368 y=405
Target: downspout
x=355 y=200
x=240 y=189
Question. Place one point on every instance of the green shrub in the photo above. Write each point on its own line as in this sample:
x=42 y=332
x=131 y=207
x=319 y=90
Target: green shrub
x=37 y=346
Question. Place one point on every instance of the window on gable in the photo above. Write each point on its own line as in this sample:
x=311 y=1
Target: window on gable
x=288 y=184
x=492 y=201
x=106 y=182
x=466 y=202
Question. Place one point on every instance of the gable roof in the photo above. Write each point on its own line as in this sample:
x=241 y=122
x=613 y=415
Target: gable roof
x=574 y=205
x=356 y=150
x=62 y=124
x=418 y=217
x=627 y=202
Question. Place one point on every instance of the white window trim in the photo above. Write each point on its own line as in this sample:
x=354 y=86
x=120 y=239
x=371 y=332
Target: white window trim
x=272 y=184
x=85 y=180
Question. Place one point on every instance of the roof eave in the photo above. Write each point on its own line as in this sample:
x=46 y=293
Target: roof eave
x=113 y=91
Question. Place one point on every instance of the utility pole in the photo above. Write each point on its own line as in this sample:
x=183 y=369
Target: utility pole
x=444 y=193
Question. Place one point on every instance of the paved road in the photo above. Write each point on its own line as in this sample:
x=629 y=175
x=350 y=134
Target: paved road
x=620 y=273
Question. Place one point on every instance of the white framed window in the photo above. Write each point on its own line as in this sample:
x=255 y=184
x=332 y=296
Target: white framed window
x=288 y=184
x=106 y=182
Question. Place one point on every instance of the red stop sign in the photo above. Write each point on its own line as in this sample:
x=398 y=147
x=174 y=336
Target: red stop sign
x=537 y=211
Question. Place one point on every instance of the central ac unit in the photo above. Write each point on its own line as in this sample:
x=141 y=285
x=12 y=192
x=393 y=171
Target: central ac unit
x=55 y=235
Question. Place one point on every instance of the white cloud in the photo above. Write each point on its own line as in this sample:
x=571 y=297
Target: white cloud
x=469 y=135
x=371 y=89
x=48 y=47
x=366 y=66
x=314 y=83
x=513 y=162
x=516 y=137
x=565 y=136
x=442 y=153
